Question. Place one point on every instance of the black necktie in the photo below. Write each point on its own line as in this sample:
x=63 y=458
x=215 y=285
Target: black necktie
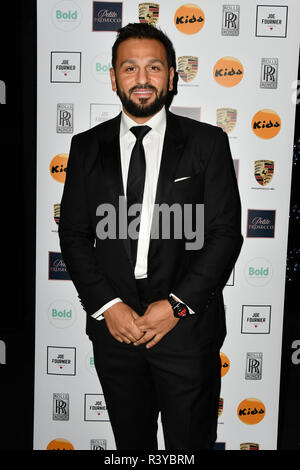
x=136 y=181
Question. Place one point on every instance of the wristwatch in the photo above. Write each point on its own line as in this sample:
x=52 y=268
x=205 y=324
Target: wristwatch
x=179 y=309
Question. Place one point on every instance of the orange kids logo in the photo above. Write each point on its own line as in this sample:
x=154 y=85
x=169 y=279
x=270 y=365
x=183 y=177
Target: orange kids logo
x=189 y=18
x=228 y=71
x=251 y=411
x=266 y=124
x=58 y=167
x=225 y=364
x=60 y=444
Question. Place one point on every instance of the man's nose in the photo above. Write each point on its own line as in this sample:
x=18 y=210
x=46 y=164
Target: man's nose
x=142 y=76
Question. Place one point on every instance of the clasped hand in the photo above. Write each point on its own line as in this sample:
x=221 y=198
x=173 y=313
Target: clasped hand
x=125 y=325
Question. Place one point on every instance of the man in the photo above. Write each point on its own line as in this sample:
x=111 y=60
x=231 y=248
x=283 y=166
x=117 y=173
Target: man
x=155 y=311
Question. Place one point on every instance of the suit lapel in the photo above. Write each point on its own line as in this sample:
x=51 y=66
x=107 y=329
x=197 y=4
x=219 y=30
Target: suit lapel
x=111 y=161
x=112 y=170
x=171 y=154
x=174 y=143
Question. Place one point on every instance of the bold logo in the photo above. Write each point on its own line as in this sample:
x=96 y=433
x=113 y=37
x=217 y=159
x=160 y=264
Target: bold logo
x=226 y=119
x=225 y=364
x=58 y=167
x=57 y=267
x=271 y=21
x=149 y=13
x=258 y=272
x=95 y=407
x=261 y=223
x=100 y=68
x=60 y=407
x=90 y=362
x=60 y=444
x=231 y=20
x=65 y=67
x=228 y=71
x=61 y=314
x=61 y=361
x=256 y=319
x=251 y=411
x=64 y=121
x=269 y=73
x=187 y=67
x=66 y=15
x=249 y=446
x=266 y=124
x=107 y=16
x=253 y=366
x=263 y=171
x=189 y=18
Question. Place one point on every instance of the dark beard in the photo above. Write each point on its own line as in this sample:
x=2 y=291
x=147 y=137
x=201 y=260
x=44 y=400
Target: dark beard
x=142 y=109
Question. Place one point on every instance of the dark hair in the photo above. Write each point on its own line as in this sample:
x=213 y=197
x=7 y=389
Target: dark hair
x=144 y=31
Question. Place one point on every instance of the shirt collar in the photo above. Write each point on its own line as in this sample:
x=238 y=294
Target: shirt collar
x=157 y=123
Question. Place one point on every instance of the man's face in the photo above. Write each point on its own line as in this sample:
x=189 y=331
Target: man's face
x=142 y=77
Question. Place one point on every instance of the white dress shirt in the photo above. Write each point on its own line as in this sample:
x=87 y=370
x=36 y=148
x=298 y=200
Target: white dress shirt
x=153 y=145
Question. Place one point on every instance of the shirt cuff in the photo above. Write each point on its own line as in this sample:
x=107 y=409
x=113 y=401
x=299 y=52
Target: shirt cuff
x=98 y=315
x=179 y=300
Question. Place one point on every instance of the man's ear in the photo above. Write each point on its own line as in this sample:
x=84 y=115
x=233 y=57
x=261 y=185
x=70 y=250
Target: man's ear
x=171 y=78
x=113 y=79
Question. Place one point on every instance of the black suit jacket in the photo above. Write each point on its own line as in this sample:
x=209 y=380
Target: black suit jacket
x=101 y=269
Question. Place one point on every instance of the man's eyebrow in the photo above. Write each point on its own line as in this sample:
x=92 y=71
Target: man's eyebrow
x=133 y=61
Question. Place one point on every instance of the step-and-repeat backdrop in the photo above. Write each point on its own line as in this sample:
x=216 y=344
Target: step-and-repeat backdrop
x=237 y=66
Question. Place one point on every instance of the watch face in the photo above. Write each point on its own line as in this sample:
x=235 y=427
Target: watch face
x=182 y=311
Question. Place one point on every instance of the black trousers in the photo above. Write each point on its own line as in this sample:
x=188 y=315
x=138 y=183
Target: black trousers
x=179 y=377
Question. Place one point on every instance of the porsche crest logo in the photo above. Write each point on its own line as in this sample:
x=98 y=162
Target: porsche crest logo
x=249 y=446
x=263 y=171
x=221 y=406
x=187 y=67
x=226 y=119
x=149 y=13
x=56 y=208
